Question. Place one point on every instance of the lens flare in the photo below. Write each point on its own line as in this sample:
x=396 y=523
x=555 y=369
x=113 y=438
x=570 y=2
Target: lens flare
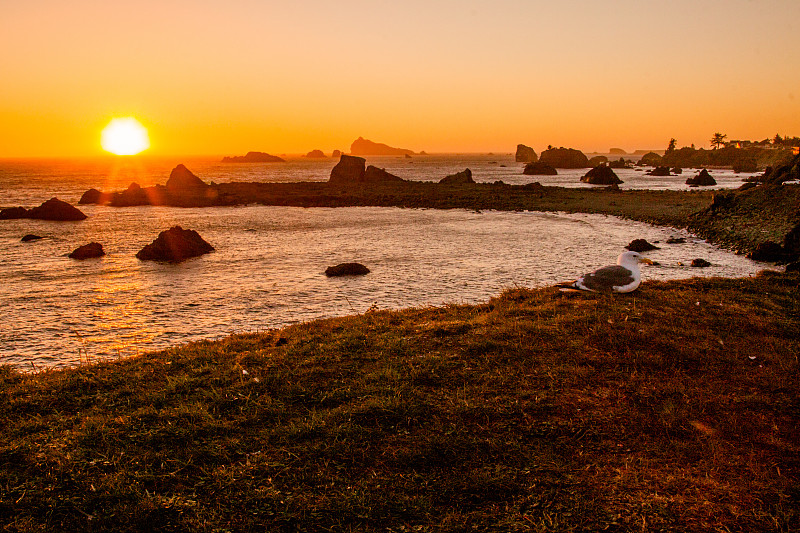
x=125 y=136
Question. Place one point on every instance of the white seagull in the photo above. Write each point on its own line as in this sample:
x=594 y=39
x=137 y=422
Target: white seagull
x=622 y=277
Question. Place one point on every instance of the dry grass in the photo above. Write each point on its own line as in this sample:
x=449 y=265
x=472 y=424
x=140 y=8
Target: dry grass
x=675 y=408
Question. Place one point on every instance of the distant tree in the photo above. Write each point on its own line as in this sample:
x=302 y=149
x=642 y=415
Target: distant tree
x=672 y=143
x=717 y=139
x=777 y=140
x=549 y=146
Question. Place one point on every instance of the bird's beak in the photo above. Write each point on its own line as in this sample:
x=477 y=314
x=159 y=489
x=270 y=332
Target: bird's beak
x=646 y=260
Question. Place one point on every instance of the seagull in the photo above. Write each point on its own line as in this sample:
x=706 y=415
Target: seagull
x=622 y=277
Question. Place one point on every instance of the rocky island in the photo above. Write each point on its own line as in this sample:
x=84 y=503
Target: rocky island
x=254 y=157
x=362 y=146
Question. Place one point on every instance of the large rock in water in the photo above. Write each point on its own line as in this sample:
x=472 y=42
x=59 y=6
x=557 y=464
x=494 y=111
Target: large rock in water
x=379 y=175
x=52 y=209
x=362 y=146
x=564 y=158
x=702 y=179
x=465 y=176
x=181 y=178
x=349 y=169
x=253 y=157
x=598 y=160
x=88 y=251
x=651 y=159
x=659 y=171
x=346 y=269
x=525 y=154
x=316 y=154
x=602 y=175
x=539 y=169
x=174 y=245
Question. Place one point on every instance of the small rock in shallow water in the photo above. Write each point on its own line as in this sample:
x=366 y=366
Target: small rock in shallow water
x=30 y=237
x=640 y=245
x=346 y=269
x=88 y=251
x=700 y=263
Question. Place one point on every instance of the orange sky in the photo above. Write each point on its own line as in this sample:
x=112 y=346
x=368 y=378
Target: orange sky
x=225 y=77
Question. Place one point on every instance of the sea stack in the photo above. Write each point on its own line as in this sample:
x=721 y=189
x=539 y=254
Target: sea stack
x=525 y=154
x=349 y=169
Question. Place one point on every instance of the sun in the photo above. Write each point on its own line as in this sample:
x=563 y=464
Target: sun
x=124 y=136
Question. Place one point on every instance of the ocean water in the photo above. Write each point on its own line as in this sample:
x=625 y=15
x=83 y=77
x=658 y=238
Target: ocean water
x=268 y=267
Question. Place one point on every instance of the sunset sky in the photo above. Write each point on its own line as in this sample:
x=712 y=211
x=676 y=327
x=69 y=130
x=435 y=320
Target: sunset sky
x=225 y=77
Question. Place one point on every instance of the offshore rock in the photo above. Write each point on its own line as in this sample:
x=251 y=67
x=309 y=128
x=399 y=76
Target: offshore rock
x=598 y=160
x=253 y=157
x=362 y=146
x=88 y=251
x=659 y=171
x=175 y=245
x=181 y=178
x=346 y=269
x=539 y=168
x=336 y=153
x=703 y=179
x=602 y=175
x=700 y=263
x=52 y=209
x=564 y=158
x=650 y=159
x=349 y=169
x=379 y=175
x=316 y=154
x=465 y=176
x=525 y=154
x=30 y=237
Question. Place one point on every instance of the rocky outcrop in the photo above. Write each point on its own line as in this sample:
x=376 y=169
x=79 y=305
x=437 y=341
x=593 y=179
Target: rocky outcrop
x=641 y=245
x=617 y=151
x=362 y=146
x=659 y=171
x=598 y=160
x=346 y=269
x=539 y=168
x=619 y=163
x=703 y=179
x=30 y=237
x=700 y=263
x=253 y=157
x=677 y=170
x=564 y=158
x=349 y=169
x=316 y=154
x=336 y=153
x=602 y=175
x=52 y=209
x=379 y=175
x=465 y=176
x=88 y=251
x=525 y=154
x=650 y=159
x=175 y=245
x=181 y=178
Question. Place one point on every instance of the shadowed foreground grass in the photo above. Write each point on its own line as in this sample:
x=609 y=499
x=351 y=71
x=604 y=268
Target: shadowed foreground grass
x=673 y=408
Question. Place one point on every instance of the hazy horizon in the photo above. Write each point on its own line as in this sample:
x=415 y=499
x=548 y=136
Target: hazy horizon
x=225 y=78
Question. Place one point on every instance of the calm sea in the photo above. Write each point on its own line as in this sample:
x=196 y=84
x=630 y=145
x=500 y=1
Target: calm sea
x=268 y=268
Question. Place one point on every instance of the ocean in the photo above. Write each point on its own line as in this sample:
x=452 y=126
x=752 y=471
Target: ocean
x=268 y=267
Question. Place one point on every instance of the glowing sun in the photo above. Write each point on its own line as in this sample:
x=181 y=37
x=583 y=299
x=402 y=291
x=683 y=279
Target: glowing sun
x=124 y=136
